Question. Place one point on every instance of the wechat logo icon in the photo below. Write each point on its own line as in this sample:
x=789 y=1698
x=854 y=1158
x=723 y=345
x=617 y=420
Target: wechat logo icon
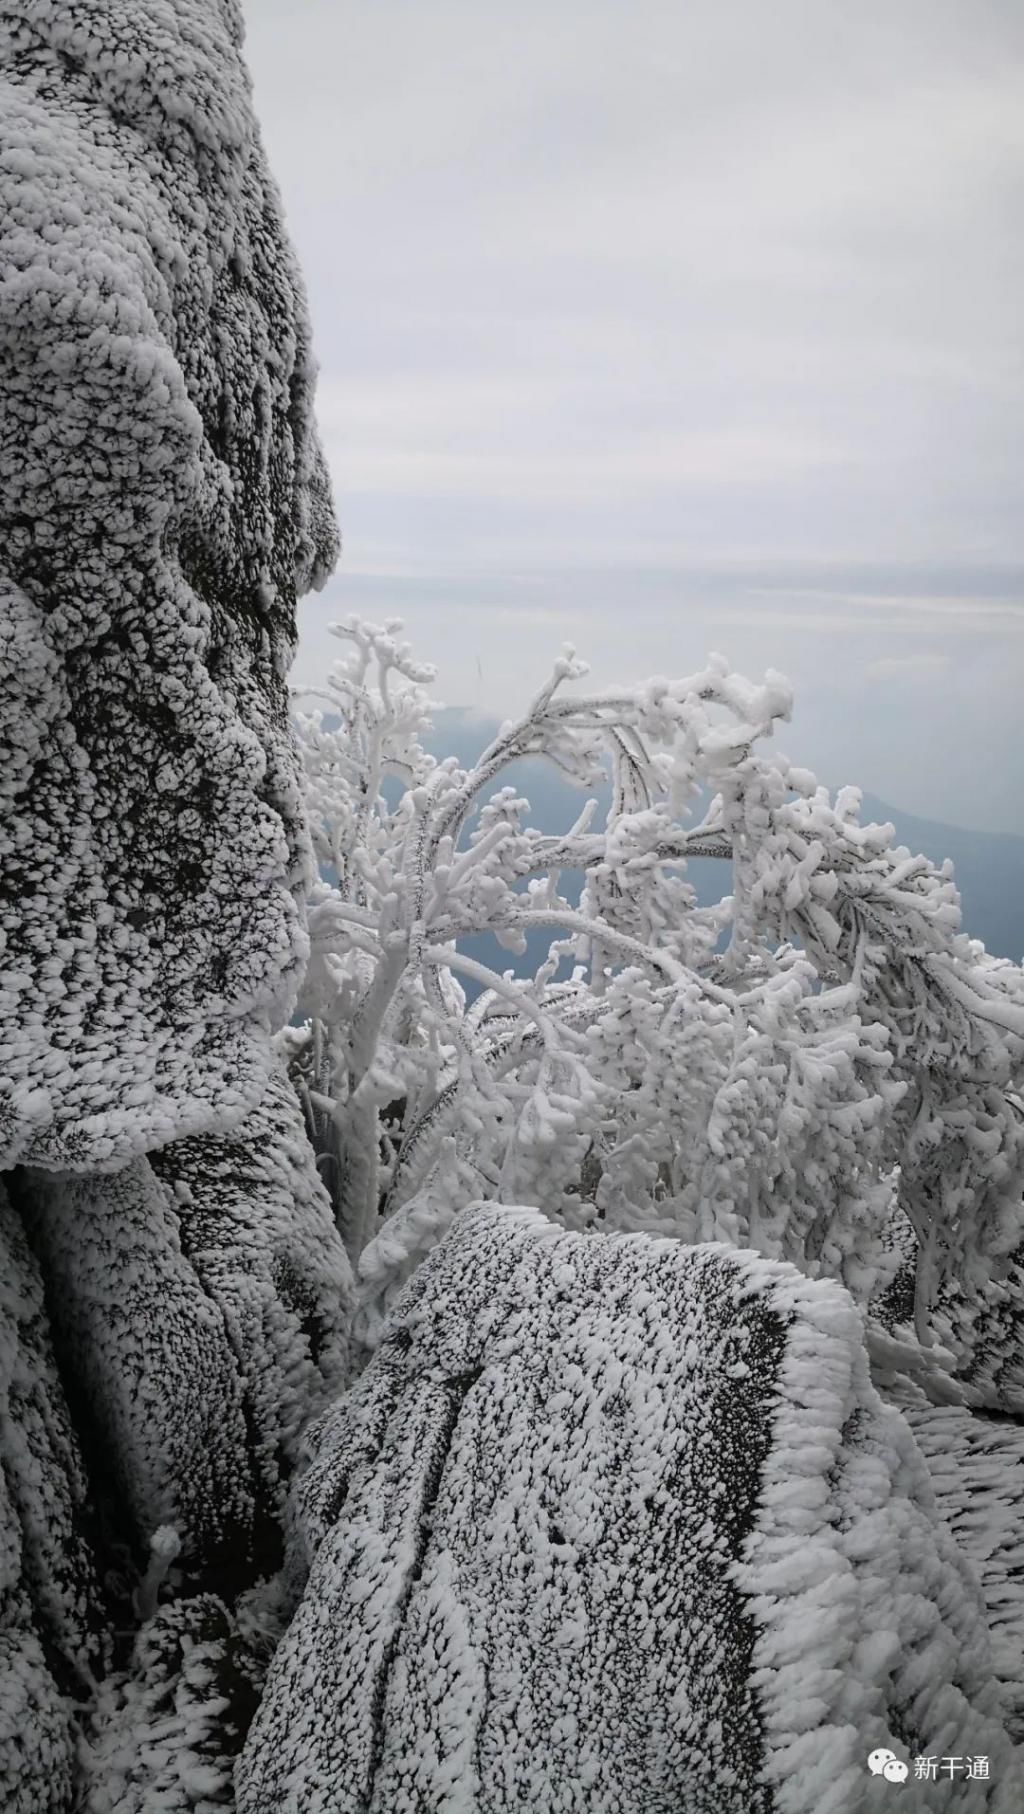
x=884 y=1762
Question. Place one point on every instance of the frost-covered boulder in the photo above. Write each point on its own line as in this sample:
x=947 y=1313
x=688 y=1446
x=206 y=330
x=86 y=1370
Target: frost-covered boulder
x=615 y=1524
x=50 y=1604
x=199 y=1302
x=162 y=502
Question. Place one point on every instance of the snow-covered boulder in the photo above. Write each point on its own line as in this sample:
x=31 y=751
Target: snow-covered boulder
x=199 y=1300
x=615 y=1524
x=162 y=503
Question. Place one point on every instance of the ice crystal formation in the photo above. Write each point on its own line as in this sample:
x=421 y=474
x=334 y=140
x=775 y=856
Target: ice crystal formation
x=617 y=1524
x=977 y=1471
x=51 y=1614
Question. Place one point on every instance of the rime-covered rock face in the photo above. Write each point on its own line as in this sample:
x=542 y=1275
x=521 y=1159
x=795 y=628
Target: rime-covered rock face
x=618 y=1525
x=199 y=1301
x=50 y=1612
x=162 y=501
x=162 y=504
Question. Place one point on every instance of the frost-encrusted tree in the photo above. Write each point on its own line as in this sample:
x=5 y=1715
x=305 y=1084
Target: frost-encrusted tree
x=820 y=1058
x=173 y=1292
x=613 y=1520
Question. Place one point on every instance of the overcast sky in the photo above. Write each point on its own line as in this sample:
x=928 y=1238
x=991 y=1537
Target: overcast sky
x=663 y=328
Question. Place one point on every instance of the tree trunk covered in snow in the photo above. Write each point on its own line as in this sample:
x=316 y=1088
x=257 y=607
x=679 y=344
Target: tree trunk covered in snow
x=172 y=1291
x=619 y=1525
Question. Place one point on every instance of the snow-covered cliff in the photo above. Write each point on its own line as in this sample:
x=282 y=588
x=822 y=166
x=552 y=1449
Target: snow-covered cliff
x=162 y=502
x=172 y=1291
x=199 y=1303
x=52 y=1642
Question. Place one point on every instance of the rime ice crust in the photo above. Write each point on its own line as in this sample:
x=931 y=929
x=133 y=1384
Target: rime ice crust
x=977 y=1471
x=50 y=1614
x=165 y=1737
x=614 y=1524
x=162 y=502
x=199 y=1300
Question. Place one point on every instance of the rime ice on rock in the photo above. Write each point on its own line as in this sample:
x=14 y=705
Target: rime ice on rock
x=162 y=502
x=619 y=1525
x=50 y=1612
x=198 y=1298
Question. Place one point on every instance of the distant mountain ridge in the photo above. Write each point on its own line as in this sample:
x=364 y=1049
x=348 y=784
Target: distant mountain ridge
x=989 y=866
x=989 y=869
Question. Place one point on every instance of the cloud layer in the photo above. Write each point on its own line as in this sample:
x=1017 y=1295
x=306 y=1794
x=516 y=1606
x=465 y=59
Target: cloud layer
x=654 y=324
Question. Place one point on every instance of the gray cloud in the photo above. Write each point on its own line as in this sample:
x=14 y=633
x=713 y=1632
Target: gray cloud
x=671 y=327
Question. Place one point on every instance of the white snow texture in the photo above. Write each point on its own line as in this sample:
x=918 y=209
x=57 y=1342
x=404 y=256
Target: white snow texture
x=199 y=1298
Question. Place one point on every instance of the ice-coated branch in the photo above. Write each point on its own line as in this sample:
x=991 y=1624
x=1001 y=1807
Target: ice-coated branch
x=749 y=1071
